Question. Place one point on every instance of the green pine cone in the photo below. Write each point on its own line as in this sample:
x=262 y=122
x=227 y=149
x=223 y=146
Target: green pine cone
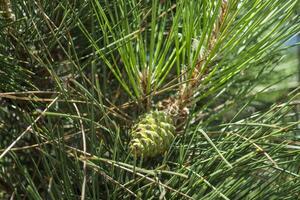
x=152 y=135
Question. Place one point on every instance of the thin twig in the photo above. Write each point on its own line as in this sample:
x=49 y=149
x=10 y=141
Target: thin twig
x=107 y=177
x=214 y=146
x=27 y=129
x=84 y=150
x=260 y=149
x=122 y=166
x=65 y=138
x=208 y=183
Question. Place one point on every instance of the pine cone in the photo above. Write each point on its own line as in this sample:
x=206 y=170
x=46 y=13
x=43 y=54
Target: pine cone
x=152 y=135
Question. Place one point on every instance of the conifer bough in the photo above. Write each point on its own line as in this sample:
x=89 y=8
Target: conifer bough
x=153 y=134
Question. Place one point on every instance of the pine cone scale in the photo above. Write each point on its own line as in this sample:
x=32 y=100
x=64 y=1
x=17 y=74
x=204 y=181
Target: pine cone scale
x=152 y=135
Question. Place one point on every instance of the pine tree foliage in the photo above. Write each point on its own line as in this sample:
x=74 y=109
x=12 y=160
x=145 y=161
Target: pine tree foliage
x=139 y=99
